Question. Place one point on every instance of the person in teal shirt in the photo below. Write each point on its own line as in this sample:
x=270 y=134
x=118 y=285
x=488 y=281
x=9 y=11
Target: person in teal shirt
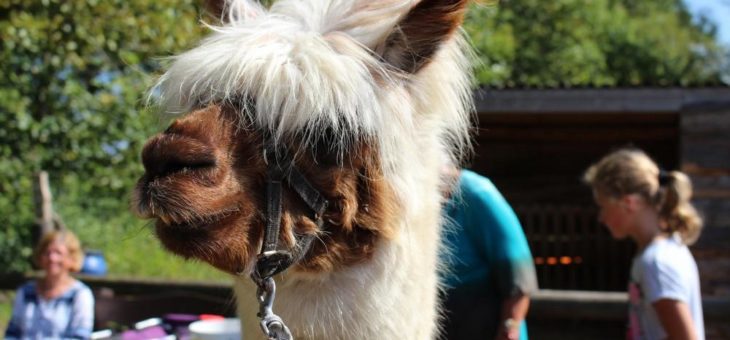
x=489 y=272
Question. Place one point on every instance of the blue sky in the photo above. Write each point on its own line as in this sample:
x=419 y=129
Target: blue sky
x=718 y=11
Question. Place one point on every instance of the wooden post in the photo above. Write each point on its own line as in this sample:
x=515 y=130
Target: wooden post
x=43 y=203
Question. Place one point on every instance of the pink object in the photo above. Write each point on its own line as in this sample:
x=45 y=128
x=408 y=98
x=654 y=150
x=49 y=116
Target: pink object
x=211 y=317
x=154 y=332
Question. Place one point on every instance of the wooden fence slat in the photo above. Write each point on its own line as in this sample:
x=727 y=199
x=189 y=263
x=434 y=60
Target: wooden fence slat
x=572 y=250
x=43 y=203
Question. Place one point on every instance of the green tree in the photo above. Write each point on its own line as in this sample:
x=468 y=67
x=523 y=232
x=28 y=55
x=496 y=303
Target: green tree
x=74 y=74
x=568 y=43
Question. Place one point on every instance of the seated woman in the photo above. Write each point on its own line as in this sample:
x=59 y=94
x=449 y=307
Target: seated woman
x=56 y=305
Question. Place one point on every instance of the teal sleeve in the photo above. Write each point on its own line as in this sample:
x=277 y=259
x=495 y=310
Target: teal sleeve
x=504 y=244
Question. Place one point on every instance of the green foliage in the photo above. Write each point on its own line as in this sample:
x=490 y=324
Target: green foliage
x=6 y=308
x=567 y=43
x=74 y=74
x=72 y=103
x=128 y=243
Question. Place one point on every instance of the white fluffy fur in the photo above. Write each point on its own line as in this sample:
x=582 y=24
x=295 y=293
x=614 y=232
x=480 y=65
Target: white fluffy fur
x=311 y=65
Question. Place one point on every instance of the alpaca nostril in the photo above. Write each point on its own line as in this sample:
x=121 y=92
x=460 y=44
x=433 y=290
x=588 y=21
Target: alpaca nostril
x=176 y=165
x=169 y=154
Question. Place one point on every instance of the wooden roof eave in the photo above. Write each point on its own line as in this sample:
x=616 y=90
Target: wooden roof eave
x=595 y=101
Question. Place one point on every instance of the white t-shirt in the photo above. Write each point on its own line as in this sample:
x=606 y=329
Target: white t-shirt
x=664 y=270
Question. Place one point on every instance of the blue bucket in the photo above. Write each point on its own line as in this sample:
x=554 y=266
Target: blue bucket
x=94 y=263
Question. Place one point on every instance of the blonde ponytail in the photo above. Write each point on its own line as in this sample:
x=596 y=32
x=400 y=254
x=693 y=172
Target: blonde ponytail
x=676 y=210
x=631 y=171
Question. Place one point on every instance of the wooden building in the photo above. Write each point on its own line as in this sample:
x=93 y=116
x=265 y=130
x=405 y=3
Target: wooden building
x=536 y=144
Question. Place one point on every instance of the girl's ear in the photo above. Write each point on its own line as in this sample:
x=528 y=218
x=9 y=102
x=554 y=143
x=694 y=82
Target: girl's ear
x=632 y=202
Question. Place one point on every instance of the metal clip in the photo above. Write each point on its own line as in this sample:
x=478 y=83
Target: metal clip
x=271 y=324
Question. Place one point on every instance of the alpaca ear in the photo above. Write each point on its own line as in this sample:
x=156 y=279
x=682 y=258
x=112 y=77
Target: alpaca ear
x=419 y=34
x=215 y=7
x=234 y=10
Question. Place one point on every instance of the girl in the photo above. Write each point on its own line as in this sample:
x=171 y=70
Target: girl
x=57 y=305
x=652 y=207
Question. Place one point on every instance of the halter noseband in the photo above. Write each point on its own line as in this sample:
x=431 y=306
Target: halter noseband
x=272 y=260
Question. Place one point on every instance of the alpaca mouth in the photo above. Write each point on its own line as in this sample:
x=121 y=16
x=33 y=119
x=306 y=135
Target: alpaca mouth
x=216 y=238
x=178 y=203
x=197 y=222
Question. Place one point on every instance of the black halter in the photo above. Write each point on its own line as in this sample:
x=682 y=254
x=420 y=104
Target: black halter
x=280 y=168
x=272 y=260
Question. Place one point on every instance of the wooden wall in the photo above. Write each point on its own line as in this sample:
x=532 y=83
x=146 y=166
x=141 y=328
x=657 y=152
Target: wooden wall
x=705 y=156
x=540 y=157
x=537 y=161
x=536 y=158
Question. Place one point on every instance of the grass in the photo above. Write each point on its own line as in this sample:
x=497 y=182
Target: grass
x=138 y=253
x=6 y=306
x=131 y=249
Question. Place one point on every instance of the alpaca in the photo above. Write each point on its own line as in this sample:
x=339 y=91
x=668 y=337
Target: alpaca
x=359 y=100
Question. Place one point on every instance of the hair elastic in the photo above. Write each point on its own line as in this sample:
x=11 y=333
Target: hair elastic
x=664 y=177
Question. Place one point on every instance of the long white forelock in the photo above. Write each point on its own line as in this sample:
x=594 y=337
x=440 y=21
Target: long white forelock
x=366 y=21
x=300 y=79
x=308 y=67
x=284 y=73
x=241 y=11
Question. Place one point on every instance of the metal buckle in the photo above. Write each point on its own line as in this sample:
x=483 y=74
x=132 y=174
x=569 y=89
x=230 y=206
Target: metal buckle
x=272 y=262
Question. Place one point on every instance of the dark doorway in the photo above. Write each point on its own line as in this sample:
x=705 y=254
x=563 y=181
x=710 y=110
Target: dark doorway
x=537 y=160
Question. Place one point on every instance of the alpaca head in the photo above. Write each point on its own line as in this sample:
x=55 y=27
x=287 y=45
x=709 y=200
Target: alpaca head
x=349 y=89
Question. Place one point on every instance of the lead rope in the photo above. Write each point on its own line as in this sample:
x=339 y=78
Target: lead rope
x=271 y=260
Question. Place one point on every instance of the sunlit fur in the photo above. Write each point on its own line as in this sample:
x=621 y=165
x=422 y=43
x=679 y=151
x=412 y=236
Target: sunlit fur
x=309 y=66
x=304 y=68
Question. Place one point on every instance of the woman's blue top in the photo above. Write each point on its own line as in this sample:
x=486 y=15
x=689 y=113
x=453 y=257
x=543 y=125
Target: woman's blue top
x=69 y=316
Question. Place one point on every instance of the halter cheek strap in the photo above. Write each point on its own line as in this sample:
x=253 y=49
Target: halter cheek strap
x=272 y=260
